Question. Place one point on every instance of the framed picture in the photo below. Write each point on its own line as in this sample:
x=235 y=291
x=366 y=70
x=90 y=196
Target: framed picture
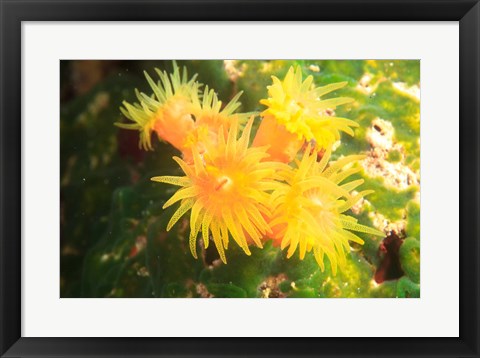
x=208 y=173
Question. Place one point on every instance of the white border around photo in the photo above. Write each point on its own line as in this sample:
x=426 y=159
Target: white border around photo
x=435 y=314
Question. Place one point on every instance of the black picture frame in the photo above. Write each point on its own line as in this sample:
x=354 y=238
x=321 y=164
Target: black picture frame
x=13 y=12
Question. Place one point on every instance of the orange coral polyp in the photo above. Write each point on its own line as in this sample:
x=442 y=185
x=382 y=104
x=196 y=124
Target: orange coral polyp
x=226 y=190
x=166 y=111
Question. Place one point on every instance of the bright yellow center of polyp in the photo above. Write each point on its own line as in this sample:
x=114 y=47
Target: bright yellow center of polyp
x=219 y=188
x=224 y=184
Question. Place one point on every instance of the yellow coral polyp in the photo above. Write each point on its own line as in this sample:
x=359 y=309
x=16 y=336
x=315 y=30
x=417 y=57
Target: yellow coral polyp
x=226 y=191
x=167 y=111
x=309 y=209
x=298 y=106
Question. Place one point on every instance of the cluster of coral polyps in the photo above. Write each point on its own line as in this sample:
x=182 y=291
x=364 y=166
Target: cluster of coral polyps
x=280 y=186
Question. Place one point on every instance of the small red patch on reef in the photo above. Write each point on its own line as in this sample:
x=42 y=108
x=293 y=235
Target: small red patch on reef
x=140 y=244
x=390 y=267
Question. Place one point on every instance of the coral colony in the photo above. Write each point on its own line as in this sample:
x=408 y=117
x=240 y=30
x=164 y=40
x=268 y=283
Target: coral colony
x=280 y=185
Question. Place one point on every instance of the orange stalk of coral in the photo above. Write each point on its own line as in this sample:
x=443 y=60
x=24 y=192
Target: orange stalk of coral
x=282 y=145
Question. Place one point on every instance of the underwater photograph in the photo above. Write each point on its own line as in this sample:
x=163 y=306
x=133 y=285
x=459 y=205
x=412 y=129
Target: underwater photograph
x=240 y=178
